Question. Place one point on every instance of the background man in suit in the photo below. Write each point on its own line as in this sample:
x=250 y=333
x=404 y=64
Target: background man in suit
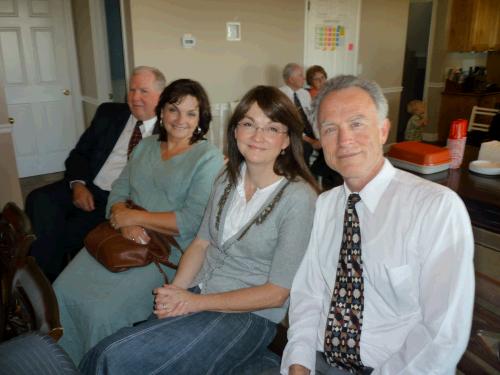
x=293 y=76
x=62 y=213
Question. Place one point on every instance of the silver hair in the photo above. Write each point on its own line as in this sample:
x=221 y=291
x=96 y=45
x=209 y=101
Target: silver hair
x=160 y=81
x=346 y=81
x=289 y=69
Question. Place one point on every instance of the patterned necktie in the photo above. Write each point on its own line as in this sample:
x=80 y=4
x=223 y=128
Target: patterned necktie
x=307 y=126
x=135 y=138
x=345 y=318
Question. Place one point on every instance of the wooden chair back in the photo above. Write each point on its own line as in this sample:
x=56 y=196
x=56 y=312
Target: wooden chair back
x=27 y=298
x=481 y=124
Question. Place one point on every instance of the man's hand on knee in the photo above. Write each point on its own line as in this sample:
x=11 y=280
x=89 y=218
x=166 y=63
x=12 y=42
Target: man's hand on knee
x=82 y=197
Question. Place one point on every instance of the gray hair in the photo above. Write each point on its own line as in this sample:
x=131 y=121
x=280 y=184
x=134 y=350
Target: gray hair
x=346 y=81
x=289 y=69
x=160 y=81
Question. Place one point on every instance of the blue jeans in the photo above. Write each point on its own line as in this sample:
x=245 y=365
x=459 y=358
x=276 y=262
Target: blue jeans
x=201 y=343
x=34 y=353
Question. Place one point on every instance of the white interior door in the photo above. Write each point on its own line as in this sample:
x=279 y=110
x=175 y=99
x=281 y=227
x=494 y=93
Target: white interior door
x=34 y=66
x=332 y=34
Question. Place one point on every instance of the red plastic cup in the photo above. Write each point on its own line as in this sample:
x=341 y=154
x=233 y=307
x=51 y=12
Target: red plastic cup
x=458 y=129
x=456 y=141
x=457 y=148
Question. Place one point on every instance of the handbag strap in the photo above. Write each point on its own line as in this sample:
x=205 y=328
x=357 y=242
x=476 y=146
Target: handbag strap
x=165 y=277
x=170 y=241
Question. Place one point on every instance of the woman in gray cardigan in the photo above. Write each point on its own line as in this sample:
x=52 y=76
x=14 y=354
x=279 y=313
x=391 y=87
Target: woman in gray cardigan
x=233 y=282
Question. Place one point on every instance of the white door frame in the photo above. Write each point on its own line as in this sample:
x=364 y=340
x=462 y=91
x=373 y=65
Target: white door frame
x=125 y=40
x=99 y=36
x=430 y=46
x=74 y=74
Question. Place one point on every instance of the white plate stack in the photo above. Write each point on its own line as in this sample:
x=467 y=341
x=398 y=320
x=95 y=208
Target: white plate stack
x=488 y=160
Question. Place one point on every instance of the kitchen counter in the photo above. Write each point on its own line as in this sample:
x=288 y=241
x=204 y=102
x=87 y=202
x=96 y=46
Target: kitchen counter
x=480 y=193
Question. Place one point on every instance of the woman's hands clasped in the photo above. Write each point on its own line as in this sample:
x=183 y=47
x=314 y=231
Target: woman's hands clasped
x=125 y=219
x=170 y=301
x=136 y=234
x=121 y=216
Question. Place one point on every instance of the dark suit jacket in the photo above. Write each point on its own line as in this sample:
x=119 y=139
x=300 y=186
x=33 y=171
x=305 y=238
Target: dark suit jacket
x=96 y=143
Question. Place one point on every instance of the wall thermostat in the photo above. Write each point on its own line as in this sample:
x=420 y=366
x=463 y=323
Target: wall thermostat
x=188 y=41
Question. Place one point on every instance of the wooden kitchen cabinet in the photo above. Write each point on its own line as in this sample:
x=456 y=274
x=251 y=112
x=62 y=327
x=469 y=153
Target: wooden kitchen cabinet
x=456 y=105
x=474 y=25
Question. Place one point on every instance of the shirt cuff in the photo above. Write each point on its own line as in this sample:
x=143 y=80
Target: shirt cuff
x=298 y=354
x=74 y=181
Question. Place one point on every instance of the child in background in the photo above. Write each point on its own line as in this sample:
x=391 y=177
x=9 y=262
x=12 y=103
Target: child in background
x=417 y=121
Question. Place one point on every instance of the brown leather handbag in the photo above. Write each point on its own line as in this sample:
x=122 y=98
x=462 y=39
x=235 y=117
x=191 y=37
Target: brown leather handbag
x=118 y=254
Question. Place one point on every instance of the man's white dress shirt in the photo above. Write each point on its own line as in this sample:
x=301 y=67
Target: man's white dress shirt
x=417 y=249
x=305 y=101
x=117 y=159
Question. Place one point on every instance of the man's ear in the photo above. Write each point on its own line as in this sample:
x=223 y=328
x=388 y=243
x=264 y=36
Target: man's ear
x=384 y=131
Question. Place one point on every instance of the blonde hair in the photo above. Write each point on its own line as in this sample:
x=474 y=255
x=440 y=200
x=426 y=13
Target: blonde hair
x=412 y=104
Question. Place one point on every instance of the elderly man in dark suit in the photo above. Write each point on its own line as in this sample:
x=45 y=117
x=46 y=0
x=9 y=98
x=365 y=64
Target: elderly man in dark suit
x=62 y=213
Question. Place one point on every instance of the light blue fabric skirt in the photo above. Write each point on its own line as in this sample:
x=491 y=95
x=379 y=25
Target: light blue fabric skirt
x=94 y=302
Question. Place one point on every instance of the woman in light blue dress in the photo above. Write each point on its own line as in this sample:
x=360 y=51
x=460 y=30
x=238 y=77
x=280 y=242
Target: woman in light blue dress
x=171 y=177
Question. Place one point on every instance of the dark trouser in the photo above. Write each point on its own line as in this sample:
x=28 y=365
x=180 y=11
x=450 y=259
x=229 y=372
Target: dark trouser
x=34 y=354
x=322 y=368
x=329 y=177
x=59 y=226
x=308 y=150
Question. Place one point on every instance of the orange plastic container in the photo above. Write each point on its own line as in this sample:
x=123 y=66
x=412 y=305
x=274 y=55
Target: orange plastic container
x=419 y=157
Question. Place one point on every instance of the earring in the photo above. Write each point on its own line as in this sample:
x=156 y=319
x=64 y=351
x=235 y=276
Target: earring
x=282 y=152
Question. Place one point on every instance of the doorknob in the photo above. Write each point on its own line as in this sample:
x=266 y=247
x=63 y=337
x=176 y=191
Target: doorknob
x=66 y=92
x=11 y=120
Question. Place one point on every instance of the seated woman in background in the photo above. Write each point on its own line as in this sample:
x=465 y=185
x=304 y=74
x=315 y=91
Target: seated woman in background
x=171 y=177
x=241 y=265
x=315 y=77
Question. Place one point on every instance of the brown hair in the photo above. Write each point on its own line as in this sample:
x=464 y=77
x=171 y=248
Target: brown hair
x=278 y=107
x=311 y=71
x=173 y=94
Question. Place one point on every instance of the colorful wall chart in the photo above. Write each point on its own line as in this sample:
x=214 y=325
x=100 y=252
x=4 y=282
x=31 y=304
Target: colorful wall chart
x=329 y=37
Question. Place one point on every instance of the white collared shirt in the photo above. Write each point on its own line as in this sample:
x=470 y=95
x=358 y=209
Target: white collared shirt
x=305 y=101
x=417 y=249
x=117 y=159
x=240 y=210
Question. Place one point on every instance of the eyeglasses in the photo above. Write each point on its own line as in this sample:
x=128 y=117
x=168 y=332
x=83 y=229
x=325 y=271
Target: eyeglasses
x=268 y=131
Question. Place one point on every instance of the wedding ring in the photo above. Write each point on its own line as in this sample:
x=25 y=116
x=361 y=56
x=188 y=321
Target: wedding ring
x=163 y=306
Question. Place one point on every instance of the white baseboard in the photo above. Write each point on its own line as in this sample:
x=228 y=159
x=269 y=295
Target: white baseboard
x=5 y=128
x=392 y=90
